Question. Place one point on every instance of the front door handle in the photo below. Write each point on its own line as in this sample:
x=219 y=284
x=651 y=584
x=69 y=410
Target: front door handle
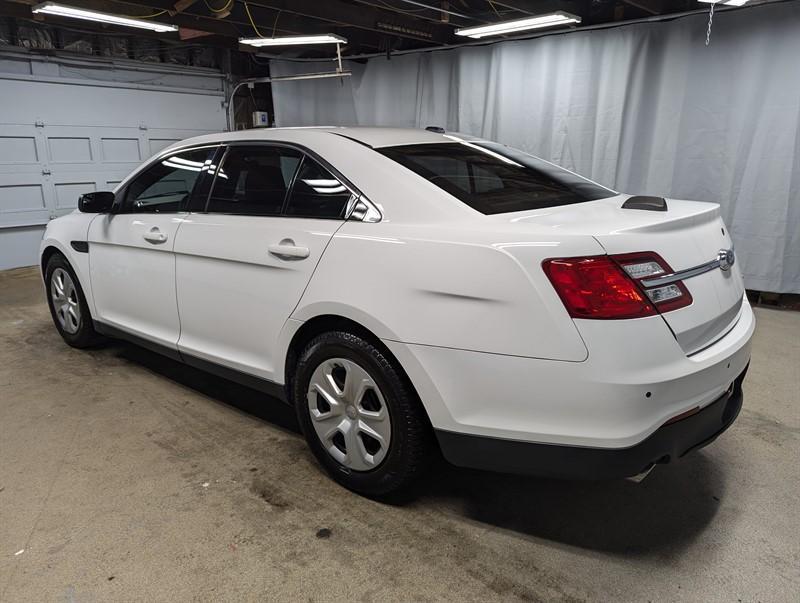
x=287 y=250
x=154 y=235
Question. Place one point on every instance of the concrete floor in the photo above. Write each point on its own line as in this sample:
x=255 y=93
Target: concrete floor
x=125 y=476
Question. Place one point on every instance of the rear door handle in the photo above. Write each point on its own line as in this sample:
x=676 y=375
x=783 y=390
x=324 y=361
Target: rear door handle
x=287 y=250
x=154 y=235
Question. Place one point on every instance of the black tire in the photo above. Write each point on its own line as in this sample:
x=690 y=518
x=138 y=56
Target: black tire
x=85 y=336
x=411 y=444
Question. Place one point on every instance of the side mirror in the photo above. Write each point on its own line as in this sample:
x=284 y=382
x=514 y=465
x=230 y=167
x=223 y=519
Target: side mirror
x=96 y=203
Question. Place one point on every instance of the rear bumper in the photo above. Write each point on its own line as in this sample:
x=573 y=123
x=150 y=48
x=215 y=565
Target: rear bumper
x=668 y=443
x=634 y=381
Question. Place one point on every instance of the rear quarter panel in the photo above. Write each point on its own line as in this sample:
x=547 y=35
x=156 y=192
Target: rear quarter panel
x=448 y=286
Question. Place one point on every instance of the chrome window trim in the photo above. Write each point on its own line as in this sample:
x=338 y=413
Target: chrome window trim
x=371 y=214
x=161 y=155
x=361 y=209
x=121 y=190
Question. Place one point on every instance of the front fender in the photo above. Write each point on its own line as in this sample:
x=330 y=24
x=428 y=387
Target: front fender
x=59 y=235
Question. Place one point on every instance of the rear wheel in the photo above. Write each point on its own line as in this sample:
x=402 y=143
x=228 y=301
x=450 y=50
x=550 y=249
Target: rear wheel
x=68 y=305
x=363 y=421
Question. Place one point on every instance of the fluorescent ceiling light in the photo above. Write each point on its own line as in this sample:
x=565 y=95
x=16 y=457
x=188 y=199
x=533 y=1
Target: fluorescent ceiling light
x=59 y=10
x=495 y=29
x=294 y=40
x=729 y=2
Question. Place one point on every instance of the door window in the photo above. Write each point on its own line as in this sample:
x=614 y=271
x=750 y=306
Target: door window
x=317 y=193
x=166 y=186
x=254 y=180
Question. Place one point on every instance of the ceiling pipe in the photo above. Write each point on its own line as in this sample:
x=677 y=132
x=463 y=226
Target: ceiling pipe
x=528 y=36
x=439 y=9
x=285 y=78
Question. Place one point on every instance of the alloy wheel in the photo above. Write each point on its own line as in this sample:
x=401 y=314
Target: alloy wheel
x=65 y=301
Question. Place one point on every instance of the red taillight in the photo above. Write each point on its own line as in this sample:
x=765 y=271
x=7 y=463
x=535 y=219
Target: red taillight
x=608 y=287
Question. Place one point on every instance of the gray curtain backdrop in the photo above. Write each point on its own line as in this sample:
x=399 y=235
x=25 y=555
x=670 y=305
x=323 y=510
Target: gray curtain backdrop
x=645 y=108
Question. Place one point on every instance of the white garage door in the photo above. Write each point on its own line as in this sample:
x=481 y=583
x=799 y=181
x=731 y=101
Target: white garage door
x=60 y=138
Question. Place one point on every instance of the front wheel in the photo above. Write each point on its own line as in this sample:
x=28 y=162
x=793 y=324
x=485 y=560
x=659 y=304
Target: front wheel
x=68 y=305
x=360 y=416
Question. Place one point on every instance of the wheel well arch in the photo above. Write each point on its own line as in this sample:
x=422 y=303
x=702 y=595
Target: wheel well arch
x=333 y=322
x=49 y=252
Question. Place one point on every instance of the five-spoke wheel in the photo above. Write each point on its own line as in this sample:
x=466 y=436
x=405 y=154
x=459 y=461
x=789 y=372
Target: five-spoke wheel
x=65 y=300
x=349 y=414
x=360 y=415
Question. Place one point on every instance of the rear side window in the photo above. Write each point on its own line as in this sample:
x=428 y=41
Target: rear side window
x=254 y=180
x=493 y=178
x=317 y=193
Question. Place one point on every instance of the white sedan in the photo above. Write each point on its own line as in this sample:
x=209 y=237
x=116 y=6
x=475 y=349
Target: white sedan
x=411 y=290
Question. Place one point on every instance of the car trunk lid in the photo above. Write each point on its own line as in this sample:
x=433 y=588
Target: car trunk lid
x=686 y=235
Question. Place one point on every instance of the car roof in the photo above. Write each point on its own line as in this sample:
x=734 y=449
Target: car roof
x=377 y=137
x=373 y=137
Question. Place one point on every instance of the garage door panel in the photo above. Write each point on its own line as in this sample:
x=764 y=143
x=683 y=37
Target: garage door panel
x=67 y=193
x=18 y=149
x=120 y=150
x=69 y=149
x=90 y=140
x=21 y=197
x=23 y=200
x=156 y=144
x=22 y=150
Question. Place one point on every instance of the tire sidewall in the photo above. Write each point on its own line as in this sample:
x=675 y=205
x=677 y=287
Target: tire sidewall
x=85 y=335
x=381 y=479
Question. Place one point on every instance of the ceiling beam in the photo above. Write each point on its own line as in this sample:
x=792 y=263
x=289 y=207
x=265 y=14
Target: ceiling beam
x=537 y=7
x=233 y=27
x=293 y=17
x=654 y=7
x=363 y=17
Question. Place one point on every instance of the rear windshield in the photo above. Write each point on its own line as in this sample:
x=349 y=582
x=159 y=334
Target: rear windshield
x=493 y=178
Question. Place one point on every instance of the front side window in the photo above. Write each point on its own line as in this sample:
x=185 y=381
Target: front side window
x=254 y=180
x=494 y=179
x=166 y=186
x=317 y=193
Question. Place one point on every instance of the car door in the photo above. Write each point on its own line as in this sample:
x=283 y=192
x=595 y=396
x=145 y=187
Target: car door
x=131 y=261
x=243 y=264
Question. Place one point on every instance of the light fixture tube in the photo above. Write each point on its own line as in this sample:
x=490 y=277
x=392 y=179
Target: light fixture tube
x=504 y=27
x=294 y=40
x=60 y=10
x=727 y=2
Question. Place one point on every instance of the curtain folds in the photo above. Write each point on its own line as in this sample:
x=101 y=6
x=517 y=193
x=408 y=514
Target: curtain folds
x=644 y=108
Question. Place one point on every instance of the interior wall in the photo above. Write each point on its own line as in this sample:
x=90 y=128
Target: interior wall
x=645 y=108
x=74 y=125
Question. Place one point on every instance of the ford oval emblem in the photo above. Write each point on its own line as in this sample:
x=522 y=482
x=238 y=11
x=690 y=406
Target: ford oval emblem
x=726 y=258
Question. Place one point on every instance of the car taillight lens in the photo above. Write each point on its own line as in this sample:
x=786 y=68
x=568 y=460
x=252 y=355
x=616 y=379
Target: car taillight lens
x=610 y=286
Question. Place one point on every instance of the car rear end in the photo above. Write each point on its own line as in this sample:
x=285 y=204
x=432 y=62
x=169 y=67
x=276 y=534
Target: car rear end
x=659 y=306
x=639 y=398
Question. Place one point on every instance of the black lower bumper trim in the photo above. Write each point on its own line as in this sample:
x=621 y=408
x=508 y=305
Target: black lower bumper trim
x=669 y=442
